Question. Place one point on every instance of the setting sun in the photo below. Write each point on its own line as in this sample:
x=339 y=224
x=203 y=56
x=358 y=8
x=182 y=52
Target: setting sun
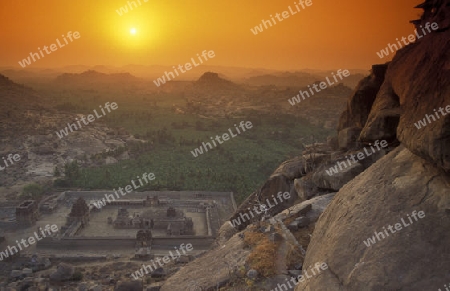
x=133 y=30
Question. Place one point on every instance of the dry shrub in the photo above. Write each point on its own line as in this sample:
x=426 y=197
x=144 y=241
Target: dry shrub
x=263 y=256
x=294 y=256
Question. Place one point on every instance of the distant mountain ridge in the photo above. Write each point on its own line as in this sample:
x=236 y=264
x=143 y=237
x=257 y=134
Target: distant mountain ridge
x=94 y=77
x=300 y=79
x=210 y=80
x=251 y=76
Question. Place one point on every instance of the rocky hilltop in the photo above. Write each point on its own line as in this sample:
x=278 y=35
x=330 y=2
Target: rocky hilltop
x=369 y=210
x=28 y=127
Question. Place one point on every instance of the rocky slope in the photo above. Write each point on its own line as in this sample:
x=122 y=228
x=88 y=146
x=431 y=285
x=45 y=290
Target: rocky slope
x=28 y=128
x=413 y=177
x=396 y=196
x=415 y=257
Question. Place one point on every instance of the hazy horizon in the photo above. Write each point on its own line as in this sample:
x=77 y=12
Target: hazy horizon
x=299 y=42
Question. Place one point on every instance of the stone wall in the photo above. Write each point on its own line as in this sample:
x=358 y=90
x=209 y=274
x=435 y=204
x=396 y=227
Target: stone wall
x=114 y=243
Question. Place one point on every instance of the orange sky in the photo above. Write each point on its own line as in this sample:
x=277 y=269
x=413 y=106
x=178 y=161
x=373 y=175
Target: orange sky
x=329 y=34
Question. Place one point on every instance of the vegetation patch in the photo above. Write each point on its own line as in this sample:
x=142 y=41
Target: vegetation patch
x=263 y=253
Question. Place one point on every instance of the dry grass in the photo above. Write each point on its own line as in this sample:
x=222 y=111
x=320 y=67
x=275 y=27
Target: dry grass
x=303 y=235
x=264 y=253
x=294 y=257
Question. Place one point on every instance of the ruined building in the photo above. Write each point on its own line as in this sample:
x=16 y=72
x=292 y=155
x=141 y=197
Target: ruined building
x=77 y=218
x=172 y=220
x=143 y=244
x=27 y=212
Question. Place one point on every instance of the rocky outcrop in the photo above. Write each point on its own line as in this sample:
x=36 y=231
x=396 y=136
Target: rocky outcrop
x=417 y=88
x=365 y=235
x=276 y=184
x=387 y=227
x=335 y=182
x=227 y=265
x=360 y=103
x=29 y=127
x=429 y=92
x=383 y=195
x=304 y=177
x=215 y=267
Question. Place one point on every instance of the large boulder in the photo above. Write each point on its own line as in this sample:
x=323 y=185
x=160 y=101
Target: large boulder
x=360 y=104
x=129 y=286
x=292 y=168
x=348 y=137
x=385 y=115
x=415 y=257
x=301 y=165
x=210 y=269
x=335 y=181
x=417 y=88
x=311 y=209
x=305 y=188
x=282 y=181
x=269 y=191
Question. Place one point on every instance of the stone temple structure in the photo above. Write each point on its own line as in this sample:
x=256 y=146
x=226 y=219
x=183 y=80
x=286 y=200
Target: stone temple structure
x=77 y=218
x=143 y=244
x=144 y=223
x=27 y=212
x=172 y=220
x=79 y=212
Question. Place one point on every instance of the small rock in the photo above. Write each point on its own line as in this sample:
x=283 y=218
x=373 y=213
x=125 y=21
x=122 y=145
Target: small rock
x=293 y=226
x=159 y=273
x=129 y=286
x=252 y=274
x=303 y=210
x=183 y=260
x=294 y=273
x=302 y=221
x=27 y=272
x=16 y=273
x=83 y=287
x=63 y=272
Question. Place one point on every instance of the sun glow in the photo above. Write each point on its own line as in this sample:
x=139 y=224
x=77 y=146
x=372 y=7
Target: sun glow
x=133 y=31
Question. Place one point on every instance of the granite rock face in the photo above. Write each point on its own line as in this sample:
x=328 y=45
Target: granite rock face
x=413 y=100
x=389 y=191
x=360 y=103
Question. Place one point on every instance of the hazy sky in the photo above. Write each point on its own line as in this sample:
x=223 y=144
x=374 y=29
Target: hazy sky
x=330 y=34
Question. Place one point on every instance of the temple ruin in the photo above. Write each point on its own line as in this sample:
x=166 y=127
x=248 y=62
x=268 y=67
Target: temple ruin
x=142 y=225
x=27 y=212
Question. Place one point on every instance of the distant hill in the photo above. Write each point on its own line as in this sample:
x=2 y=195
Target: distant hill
x=17 y=102
x=300 y=79
x=239 y=75
x=14 y=95
x=213 y=81
x=30 y=75
x=92 y=77
x=285 y=79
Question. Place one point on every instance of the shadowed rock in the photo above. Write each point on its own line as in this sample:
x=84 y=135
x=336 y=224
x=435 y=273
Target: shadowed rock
x=385 y=193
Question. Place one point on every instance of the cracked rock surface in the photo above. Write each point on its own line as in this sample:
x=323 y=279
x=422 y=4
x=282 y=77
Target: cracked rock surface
x=417 y=257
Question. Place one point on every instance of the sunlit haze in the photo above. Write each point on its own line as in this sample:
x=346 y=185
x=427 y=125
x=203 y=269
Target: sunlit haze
x=328 y=34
